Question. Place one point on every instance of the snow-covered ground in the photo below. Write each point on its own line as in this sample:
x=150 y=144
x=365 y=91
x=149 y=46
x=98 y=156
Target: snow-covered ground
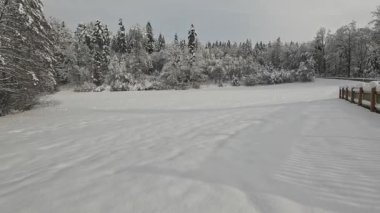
x=285 y=148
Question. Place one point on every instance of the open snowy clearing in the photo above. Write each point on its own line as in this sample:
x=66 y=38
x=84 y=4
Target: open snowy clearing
x=284 y=148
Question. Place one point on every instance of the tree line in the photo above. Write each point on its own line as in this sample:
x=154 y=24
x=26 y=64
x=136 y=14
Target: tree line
x=38 y=54
x=350 y=51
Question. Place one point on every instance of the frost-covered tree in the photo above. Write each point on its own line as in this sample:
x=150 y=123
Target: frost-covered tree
x=176 y=41
x=345 y=41
x=119 y=42
x=149 y=41
x=275 y=53
x=376 y=26
x=83 y=54
x=94 y=40
x=160 y=43
x=119 y=78
x=361 y=51
x=245 y=49
x=135 y=40
x=320 y=51
x=63 y=51
x=182 y=44
x=374 y=49
x=26 y=54
x=179 y=72
x=192 y=36
x=101 y=52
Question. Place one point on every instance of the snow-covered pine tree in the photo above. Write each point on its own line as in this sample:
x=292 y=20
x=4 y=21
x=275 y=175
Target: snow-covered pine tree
x=176 y=41
x=83 y=50
x=275 y=54
x=160 y=43
x=26 y=54
x=192 y=41
x=182 y=44
x=135 y=39
x=63 y=51
x=149 y=42
x=101 y=42
x=137 y=61
x=119 y=43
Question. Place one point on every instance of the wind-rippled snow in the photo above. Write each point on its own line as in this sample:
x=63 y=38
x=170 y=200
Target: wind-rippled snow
x=284 y=148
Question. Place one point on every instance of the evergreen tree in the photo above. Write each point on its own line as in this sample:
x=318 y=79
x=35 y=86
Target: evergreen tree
x=176 y=41
x=135 y=40
x=276 y=52
x=101 y=44
x=119 y=43
x=182 y=44
x=84 y=53
x=160 y=43
x=149 y=44
x=63 y=51
x=26 y=54
x=246 y=49
x=192 y=40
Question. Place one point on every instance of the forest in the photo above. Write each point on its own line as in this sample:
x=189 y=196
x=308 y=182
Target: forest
x=39 y=54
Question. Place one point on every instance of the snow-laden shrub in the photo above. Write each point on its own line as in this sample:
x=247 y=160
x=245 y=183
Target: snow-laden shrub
x=182 y=77
x=85 y=87
x=171 y=78
x=118 y=78
x=159 y=59
x=100 y=88
x=182 y=73
x=263 y=75
x=235 y=82
x=305 y=74
x=139 y=64
x=251 y=80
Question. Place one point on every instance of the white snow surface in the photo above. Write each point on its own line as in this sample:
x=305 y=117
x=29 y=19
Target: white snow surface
x=284 y=148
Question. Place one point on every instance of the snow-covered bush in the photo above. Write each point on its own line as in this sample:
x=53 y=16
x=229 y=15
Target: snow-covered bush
x=250 y=80
x=118 y=78
x=181 y=72
x=138 y=64
x=85 y=87
x=304 y=73
x=235 y=82
x=158 y=60
x=126 y=73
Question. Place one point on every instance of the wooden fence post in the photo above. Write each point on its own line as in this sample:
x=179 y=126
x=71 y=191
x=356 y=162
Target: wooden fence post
x=347 y=94
x=373 y=99
x=343 y=93
x=361 y=91
x=340 y=93
x=352 y=95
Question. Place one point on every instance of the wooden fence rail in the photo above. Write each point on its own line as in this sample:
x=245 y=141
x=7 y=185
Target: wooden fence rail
x=368 y=97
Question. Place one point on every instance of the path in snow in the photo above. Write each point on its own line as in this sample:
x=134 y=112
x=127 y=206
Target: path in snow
x=285 y=148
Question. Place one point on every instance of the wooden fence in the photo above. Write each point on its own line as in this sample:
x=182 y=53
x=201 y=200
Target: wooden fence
x=367 y=80
x=367 y=96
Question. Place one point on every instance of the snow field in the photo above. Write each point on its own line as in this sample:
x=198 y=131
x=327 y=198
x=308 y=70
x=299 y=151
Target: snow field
x=284 y=148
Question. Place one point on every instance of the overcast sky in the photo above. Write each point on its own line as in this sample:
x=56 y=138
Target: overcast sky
x=236 y=20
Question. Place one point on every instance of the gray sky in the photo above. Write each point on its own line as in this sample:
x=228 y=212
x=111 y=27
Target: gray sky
x=237 y=20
